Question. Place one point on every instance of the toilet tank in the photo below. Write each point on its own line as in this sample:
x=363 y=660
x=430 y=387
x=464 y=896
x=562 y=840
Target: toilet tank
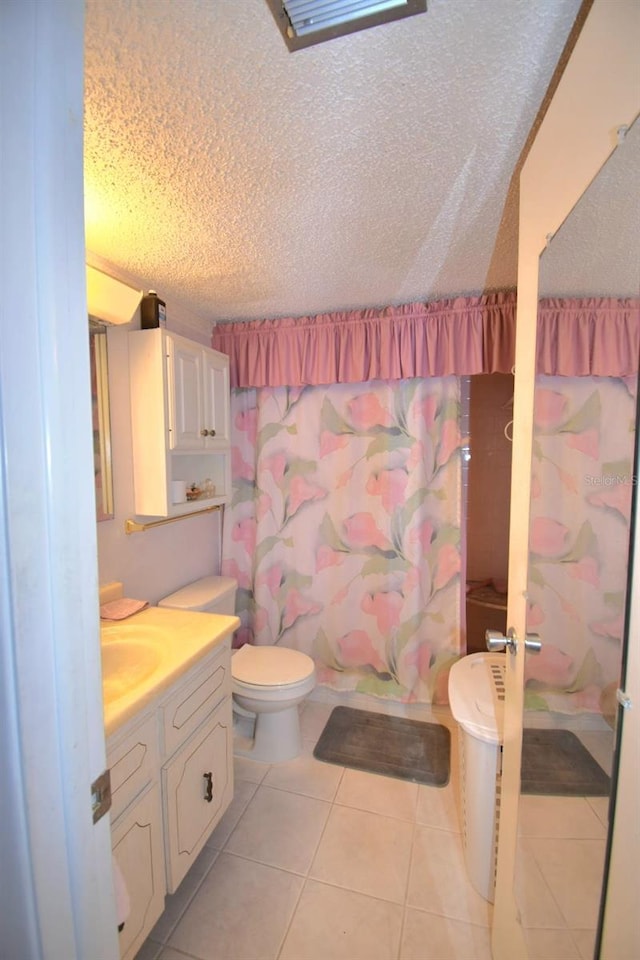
x=208 y=595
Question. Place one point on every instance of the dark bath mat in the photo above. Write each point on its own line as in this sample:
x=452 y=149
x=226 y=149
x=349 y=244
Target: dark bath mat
x=393 y=746
x=556 y=763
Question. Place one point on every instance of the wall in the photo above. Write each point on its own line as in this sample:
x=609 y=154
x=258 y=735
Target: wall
x=489 y=477
x=156 y=562
x=487 y=523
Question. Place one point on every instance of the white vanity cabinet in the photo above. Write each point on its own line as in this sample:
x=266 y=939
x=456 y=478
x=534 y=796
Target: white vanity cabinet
x=197 y=772
x=171 y=780
x=136 y=828
x=179 y=421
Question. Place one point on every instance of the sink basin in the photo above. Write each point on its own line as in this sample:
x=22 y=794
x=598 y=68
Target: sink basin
x=125 y=664
x=130 y=632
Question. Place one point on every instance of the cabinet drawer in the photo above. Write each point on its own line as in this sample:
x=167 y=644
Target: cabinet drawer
x=186 y=709
x=137 y=848
x=192 y=809
x=133 y=762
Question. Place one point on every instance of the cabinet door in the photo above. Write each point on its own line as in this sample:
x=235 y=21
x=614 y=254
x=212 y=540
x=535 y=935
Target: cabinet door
x=137 y=847
x=198 y=788
x=216 y=398
x=186 y=388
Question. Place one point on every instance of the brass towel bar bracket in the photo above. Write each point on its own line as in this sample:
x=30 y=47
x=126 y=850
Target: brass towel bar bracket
x=132 y=526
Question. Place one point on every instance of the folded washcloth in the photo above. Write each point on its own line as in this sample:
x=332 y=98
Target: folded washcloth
x=122 y=608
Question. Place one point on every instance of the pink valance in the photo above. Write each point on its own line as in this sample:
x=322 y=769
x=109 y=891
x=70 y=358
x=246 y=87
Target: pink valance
x=460 y=336
x=455 y=337
x=597 y=337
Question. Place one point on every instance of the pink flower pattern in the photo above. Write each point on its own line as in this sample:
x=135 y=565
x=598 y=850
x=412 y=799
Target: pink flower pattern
x=367 y=412
x=361 y=531
x=579 y=533
x=385 y=607
x=346 y=532
x=390 y=486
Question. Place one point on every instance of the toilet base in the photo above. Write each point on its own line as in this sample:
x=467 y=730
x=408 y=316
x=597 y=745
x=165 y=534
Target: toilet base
x=276 y=737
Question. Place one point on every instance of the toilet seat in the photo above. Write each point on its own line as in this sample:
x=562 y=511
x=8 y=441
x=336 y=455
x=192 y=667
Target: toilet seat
x=262 y=666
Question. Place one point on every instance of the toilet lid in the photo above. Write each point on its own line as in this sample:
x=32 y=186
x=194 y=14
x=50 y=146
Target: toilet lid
x=268 y=666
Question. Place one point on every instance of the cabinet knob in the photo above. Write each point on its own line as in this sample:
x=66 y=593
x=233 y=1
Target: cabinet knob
x=204 y=433
x=209 y=788
x=212 y=433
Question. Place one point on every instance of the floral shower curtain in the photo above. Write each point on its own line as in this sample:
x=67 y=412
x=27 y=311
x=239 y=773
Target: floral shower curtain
x=584 y=429
x=344 y=530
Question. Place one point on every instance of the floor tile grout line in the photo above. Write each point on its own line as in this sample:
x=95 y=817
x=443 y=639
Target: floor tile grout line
x=408 y=879
x=190 y=899
x=544 y=879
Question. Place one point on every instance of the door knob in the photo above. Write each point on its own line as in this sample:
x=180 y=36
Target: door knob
x=497 y=641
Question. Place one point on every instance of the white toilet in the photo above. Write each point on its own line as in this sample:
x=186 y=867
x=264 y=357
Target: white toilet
x=268 y=683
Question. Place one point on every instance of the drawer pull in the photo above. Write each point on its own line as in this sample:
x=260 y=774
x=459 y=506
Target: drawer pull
x=209 y=792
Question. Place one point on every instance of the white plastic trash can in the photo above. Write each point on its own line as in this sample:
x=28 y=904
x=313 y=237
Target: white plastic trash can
x=476 y=698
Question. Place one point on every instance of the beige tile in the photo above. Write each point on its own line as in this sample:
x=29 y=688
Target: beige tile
x=550 y=945
x=438 y=807
x=243 y=791
x=558 y=817
x=377 y=794
x=242 y=910
x=169 y=953
x=600 y=806
x=364 y=852
x=336 y=923
x=438 y=879
x=176 y=903
x=306 y=775
x=600 y=744
x=313 y=719
x=252 y=770
x=279 y=828
x=536 y=903
x=150 y=950
x=573 y=870
x=585 y=941
x=430 y=937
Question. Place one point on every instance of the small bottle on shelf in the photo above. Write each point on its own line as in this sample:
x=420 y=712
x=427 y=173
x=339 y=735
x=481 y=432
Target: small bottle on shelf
x=153 y=311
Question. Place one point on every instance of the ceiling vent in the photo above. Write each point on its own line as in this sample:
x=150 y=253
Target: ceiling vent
x=304 y=23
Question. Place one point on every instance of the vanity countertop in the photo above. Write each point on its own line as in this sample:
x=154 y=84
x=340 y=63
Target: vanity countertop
x=147 y=652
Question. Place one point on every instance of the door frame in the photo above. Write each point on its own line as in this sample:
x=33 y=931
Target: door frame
x=598 y=93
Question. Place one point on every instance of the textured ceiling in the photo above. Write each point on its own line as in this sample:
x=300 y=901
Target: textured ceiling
x=243 y=181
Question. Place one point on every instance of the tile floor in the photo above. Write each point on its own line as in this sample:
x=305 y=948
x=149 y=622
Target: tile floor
x=317 y=862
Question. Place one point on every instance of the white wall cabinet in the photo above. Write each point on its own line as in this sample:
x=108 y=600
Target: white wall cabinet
x=171 y=780
x=180 y=421
x=199 y=388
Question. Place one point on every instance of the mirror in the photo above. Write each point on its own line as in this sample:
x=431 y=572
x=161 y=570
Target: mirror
x=583 y=454
x=100 y=420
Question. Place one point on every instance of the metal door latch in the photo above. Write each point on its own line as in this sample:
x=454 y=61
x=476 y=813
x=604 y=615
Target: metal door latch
x=624 y=699
x=497 y=641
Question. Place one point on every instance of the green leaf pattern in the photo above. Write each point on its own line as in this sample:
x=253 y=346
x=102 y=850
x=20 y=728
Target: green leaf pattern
x=579 y=536
x=344 y=530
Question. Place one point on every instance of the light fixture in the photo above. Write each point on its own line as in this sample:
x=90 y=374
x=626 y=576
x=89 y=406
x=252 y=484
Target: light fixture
x=307 y=22
x=110 y=300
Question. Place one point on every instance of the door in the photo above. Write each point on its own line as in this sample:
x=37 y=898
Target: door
x=185 y=378
x=216 y=398
x=572 y=143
